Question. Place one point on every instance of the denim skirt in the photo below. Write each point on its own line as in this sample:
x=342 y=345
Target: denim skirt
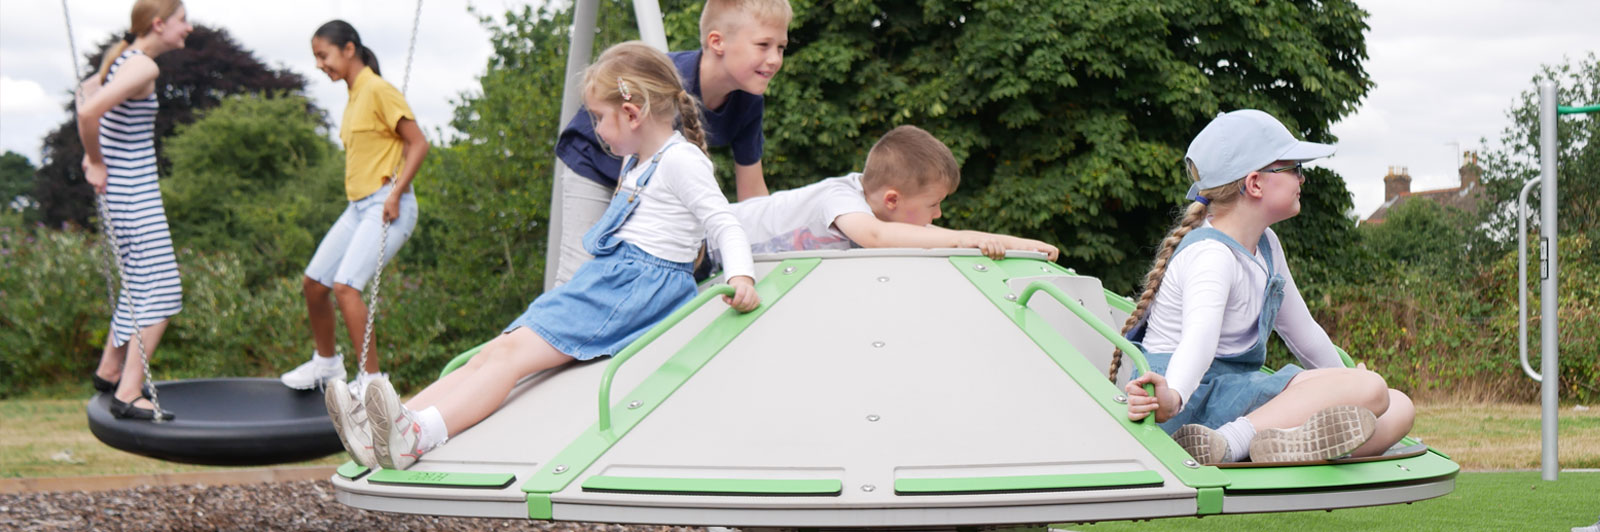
x=1231 y=387
x=610 y=302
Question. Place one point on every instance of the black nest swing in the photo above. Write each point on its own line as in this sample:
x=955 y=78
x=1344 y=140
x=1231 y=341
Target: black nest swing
x=227 y=421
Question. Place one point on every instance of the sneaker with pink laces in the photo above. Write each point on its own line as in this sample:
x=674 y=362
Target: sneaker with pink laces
x=350 y=421
x=396 y=435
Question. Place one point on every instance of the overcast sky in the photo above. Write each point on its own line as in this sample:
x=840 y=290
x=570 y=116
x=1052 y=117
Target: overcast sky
x=1445 y=72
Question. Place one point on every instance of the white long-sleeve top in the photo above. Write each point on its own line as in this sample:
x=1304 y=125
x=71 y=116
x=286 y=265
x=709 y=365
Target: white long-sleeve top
x=1209 y=304
x=681 y=206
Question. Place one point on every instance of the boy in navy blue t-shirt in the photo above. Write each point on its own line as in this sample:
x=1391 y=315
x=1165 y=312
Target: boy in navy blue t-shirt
x=742 y=43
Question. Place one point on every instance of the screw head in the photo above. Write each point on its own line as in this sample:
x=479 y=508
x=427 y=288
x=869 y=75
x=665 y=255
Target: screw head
x=1011 y=297
x=788 y=270
x=1120 y=398
x=873 y=418
x=559 y=469
x=878 y=343
x=1072 y=270
x=868 y=488
x=883 y=278
x=634 y=405
x=980 y=267
x=1191 y=464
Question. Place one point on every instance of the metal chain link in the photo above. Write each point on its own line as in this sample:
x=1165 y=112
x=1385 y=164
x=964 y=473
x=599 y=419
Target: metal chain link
x=383 y=242
x=113 y=247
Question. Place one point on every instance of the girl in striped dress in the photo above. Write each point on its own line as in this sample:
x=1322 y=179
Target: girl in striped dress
x=116 y=123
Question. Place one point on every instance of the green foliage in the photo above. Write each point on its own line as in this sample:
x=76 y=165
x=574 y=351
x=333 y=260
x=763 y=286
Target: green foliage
x=16 y=177
x=1423 y=234
x=254 y=177
x=1070 y=118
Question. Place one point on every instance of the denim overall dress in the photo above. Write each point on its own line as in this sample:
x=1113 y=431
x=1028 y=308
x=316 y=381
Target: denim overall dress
x=1234 y=385
x=615 y=298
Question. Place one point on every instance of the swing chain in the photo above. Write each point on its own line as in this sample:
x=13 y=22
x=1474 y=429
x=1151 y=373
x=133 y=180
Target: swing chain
x=383 y=242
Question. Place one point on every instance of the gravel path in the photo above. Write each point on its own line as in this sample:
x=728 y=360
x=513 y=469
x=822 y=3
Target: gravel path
x=289 y=506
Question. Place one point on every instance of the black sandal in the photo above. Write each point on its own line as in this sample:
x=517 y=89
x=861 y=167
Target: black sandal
x=102 y=385
x=122 y=410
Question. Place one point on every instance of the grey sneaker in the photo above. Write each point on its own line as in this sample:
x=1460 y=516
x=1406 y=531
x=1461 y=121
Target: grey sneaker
x=1206 y=445
x=396 y=436
x=349 y=416
x=312 y=373
x=1329 y=434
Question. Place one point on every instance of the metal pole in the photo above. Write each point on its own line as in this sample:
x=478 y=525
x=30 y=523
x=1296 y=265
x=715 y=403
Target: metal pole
x=651 y=30
x=579 y=53
x=1549 y=271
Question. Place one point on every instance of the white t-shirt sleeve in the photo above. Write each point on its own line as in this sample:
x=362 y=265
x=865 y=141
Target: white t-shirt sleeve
x=840 y=197
x=693 y=183
x=1299 y=331
x=1206 y=271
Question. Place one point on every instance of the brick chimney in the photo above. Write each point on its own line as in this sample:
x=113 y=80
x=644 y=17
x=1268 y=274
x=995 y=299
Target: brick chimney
x=1471 y=174
x=1396 y=183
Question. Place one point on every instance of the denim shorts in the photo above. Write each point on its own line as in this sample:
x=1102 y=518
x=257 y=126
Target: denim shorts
x=348 y=254
x=1229 y=389
x=609 y=303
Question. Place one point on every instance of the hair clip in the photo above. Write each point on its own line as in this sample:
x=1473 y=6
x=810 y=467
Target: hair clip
x=622 y=87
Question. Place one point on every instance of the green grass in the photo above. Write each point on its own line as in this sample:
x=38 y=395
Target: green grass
x=1481 y=501
x=51 y=438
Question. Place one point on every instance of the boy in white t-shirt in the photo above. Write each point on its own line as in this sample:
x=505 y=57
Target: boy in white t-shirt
x=891 y=203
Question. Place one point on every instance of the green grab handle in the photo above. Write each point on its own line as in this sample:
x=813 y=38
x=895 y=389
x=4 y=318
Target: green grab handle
x=650 y=336
x=1575 y=110
x=1099 y=326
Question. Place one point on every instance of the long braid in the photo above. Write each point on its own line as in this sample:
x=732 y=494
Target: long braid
x=1193 y=216
x=689 y=117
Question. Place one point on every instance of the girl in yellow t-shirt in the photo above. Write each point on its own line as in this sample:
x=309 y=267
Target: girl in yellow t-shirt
x=383 y=149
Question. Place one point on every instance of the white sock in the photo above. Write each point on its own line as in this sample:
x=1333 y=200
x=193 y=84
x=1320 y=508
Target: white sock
x=1238 y=432
x=327 y=362
x=433 y=430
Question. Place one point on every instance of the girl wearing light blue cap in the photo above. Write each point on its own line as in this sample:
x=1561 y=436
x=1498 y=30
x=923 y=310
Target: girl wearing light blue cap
x=1218 y=288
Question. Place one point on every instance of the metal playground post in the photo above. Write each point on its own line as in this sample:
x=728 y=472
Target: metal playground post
x=1549 y=323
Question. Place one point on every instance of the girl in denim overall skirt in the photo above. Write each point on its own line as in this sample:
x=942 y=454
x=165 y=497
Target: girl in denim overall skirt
x=644 y=247
x=1206 y=334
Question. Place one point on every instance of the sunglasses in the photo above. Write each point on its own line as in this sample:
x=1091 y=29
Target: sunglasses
x=1295 y=168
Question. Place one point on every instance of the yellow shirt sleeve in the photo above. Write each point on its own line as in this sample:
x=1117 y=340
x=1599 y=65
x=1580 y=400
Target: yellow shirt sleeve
x=372 y=142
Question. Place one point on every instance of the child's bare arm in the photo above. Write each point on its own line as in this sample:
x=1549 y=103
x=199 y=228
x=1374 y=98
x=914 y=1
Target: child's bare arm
x=868 y=231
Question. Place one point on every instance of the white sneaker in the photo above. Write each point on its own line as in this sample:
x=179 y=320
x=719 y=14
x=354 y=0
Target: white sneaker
x=396 y=435
x=1330 y=433
x=313 y=372
x=1206 y=445
x=349 y=416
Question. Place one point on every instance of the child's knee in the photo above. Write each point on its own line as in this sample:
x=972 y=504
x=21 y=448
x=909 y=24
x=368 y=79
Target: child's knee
x=1401 y=408
x=1368 y=390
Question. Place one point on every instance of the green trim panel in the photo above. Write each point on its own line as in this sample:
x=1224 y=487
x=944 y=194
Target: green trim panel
x=442 y=479
x=352 y=470
x=1208 y=501
x=1427 y=466
x=540 y=507
x=1081 y=481
x=991 y=281
x=716 y=486
x=561 y=470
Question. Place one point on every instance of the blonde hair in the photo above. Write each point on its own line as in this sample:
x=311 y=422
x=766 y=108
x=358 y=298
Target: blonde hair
x=651 y=82
x=143 y=19
x=1221 y=199
x=718 y=15
x=910 y=159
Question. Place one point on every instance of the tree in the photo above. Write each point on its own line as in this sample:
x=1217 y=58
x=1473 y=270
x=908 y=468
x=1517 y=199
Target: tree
x=1508 y=167
x=1070 y=118
x=16 y=177
x=210 y=67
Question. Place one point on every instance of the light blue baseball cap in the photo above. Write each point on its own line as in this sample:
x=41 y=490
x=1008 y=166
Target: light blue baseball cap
x=1237 y=143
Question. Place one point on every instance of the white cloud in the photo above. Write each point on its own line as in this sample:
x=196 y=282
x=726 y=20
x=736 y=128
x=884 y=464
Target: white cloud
x=21 y=95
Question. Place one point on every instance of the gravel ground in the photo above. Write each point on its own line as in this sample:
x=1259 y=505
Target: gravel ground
x=289 y=506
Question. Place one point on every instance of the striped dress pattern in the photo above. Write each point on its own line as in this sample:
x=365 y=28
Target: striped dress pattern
x=151 y=289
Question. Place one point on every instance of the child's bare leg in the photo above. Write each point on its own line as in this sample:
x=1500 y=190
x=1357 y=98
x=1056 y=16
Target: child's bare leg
x=448 y=384
x=504 y=361
x=133 y=366
x=111 y=359
x=1313 y=390
x=319 y=312
x=1392 y=425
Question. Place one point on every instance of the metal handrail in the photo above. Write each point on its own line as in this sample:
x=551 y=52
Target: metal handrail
x=1078 y=309
x=1522 y=278
x=643 y=341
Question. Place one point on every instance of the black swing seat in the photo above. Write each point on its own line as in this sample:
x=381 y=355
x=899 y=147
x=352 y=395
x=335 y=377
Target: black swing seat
x=227 y=421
